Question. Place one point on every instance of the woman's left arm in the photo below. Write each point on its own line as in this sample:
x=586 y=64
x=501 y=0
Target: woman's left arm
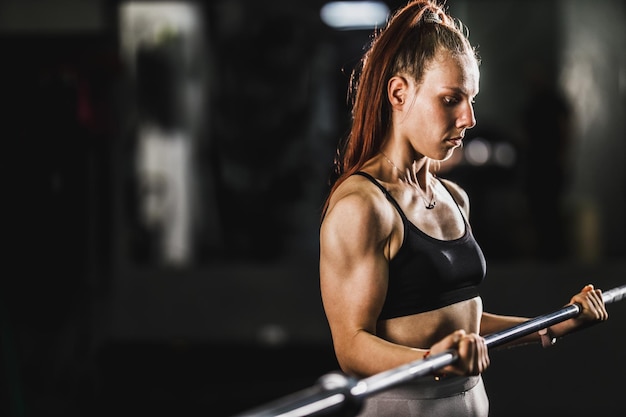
x=593 y=311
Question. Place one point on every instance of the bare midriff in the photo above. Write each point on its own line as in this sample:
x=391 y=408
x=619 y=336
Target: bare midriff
x=422 y=330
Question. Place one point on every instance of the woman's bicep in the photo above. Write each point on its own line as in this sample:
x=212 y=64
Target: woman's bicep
x=353 y=269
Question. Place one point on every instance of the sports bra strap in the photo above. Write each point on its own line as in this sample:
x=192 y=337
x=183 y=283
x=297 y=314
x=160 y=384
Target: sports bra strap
x=384 y=190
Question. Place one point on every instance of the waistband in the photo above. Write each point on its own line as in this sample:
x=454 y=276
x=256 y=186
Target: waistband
x=429 y=388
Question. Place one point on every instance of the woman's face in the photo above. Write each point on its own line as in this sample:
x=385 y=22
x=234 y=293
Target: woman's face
x=440 y=108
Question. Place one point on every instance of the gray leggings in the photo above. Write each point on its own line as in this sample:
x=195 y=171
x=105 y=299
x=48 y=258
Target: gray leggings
x=449 y=397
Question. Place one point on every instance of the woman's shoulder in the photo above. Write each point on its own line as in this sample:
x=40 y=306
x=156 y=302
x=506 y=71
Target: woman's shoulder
x=358 y=189
x=357 y=197
x=458 y=193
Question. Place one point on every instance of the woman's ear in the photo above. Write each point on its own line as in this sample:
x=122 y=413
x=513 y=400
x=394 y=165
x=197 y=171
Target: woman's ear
x=397 y=89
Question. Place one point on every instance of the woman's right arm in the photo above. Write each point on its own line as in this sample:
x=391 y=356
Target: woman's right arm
x=354 y=238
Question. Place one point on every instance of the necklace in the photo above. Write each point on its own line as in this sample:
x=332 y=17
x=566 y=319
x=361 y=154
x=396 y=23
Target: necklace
x=428 y=203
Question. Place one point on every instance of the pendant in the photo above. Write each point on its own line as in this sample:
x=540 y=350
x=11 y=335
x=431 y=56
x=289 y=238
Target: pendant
x=431 y=205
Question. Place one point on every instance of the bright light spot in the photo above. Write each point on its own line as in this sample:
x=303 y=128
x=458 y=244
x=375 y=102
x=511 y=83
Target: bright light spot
x=504 y=154
x=272 y=335
x=351 y=15
x=477 y=151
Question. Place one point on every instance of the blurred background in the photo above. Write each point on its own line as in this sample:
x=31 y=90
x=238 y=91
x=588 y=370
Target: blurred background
x=167 y=163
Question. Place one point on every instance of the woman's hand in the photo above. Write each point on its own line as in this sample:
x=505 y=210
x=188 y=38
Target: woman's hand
x=592 y=311
x=473 y=354
x=592 y=307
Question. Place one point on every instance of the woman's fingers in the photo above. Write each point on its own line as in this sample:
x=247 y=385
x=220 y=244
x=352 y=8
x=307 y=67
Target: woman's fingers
x=593 y=308
x=473 y=353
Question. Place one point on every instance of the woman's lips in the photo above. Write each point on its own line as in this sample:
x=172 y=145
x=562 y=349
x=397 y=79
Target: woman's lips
x=455 y=141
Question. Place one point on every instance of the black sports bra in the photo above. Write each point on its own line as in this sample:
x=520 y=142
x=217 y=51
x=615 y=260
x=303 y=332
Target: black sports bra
x=428 y=273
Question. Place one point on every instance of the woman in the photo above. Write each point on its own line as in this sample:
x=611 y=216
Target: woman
x=399 y=267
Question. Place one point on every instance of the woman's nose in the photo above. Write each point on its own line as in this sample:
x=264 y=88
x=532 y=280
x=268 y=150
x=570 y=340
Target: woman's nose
x=467 y=118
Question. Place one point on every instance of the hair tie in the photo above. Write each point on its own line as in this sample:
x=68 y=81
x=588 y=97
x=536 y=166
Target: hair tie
x=431 y=17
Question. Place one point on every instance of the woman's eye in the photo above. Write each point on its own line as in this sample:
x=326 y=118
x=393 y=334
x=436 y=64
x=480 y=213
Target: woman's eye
x=450 y=100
